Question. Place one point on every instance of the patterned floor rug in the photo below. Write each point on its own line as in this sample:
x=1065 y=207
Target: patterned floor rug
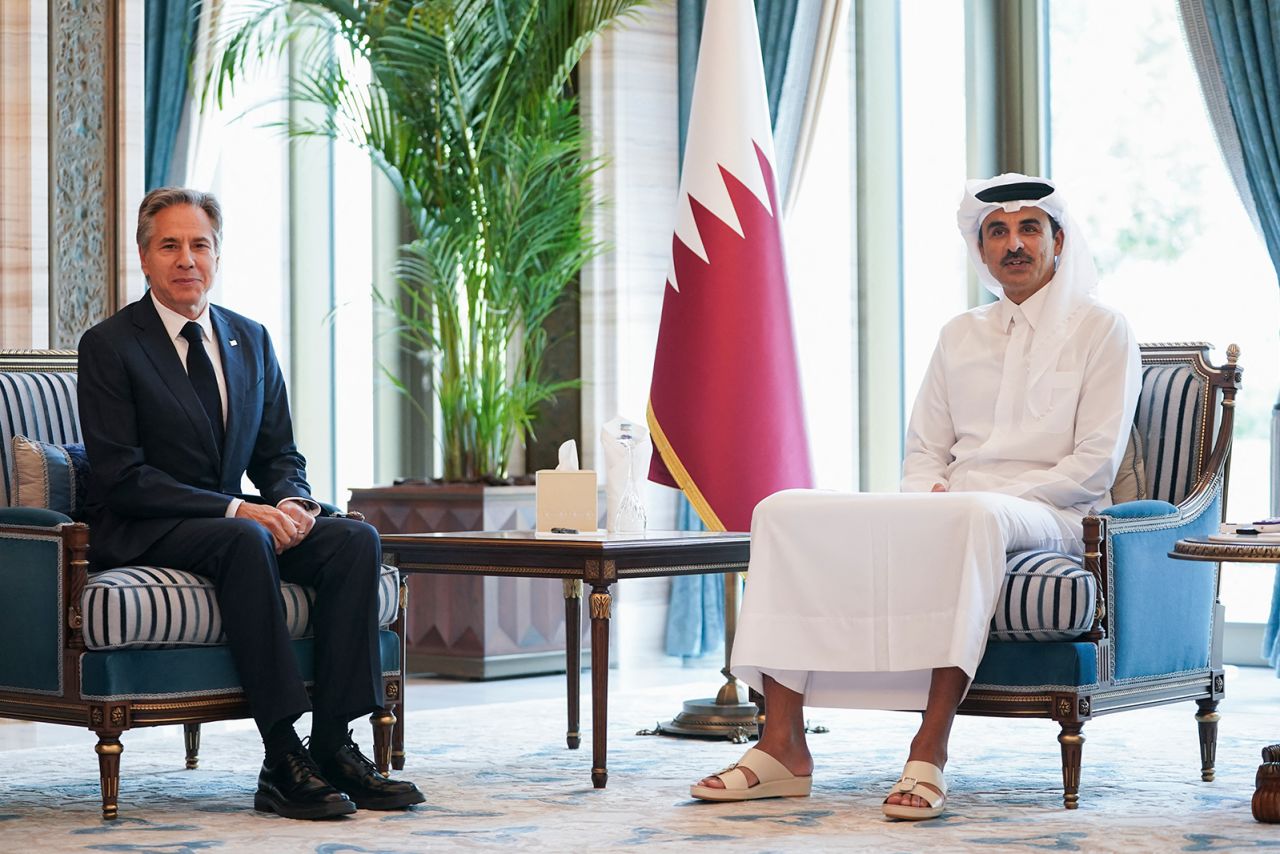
x=499 y=777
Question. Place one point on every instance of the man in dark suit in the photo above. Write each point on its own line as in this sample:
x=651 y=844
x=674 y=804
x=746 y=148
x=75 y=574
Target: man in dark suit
x=180 y=399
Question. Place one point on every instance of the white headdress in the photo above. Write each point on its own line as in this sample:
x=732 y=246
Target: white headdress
x=1074 y=281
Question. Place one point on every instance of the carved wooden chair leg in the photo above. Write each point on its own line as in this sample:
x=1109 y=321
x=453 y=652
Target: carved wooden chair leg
x=1072 y=744
x=397 y=745
x=109 y=749
x=191 y=735
x=383 y=722
x=1207 y=722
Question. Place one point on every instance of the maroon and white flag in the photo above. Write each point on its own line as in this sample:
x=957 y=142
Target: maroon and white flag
x=725 y=409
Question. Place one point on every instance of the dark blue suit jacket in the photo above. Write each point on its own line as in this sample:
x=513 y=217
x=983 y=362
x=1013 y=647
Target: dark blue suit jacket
x=150 y=445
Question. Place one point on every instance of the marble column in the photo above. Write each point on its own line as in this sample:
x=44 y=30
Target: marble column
x=71 y=144
x=24 y=169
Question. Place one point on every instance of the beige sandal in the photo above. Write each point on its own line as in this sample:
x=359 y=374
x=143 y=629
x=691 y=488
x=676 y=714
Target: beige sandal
x=915 y=773
x=775 y=781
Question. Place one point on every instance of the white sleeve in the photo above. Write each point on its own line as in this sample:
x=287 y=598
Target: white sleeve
x=1108 y=399
x=930 y=432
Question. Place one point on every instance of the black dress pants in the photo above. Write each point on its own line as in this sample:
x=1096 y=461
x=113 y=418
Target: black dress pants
x=340 y=559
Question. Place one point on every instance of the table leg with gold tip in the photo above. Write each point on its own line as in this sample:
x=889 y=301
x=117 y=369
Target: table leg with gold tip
x=728 y=715
x=601 y=608
x=573 y=656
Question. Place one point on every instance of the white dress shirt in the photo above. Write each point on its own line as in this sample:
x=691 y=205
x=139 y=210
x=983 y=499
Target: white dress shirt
x=972 y=430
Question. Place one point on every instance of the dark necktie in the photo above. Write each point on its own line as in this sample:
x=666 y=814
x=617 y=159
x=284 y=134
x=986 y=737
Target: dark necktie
x=200 y=371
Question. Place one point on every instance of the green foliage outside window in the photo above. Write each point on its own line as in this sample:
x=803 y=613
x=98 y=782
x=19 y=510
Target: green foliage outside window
x=470 y=112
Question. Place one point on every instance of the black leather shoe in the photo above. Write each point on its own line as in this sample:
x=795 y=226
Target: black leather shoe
x=294 y=788
x=354 y=773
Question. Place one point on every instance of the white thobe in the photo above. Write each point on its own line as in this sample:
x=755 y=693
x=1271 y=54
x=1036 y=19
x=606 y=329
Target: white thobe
x=853 y=599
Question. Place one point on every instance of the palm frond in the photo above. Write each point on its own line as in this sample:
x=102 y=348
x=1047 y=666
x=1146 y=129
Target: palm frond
x=468 y=112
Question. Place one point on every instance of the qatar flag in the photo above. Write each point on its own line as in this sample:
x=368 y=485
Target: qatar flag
x=725 y=409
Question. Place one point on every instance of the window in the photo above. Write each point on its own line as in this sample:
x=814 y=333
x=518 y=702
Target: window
x=304 y=272
x=1175 y=249
x=934 y=262
x=820 y=259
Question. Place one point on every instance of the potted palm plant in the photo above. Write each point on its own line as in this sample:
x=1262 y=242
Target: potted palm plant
x=470 y=112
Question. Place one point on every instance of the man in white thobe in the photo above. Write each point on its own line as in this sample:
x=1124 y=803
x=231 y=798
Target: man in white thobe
x=885 y=601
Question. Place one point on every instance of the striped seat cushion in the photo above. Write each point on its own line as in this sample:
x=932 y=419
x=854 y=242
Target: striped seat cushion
x=136 y=607
x=1046 y=596
x=40 y=406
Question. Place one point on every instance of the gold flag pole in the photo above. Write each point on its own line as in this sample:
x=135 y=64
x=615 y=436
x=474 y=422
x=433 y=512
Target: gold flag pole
x=727 y=715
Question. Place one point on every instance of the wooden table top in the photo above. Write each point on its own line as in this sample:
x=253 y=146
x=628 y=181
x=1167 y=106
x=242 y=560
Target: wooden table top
x=536 y=554
x=1237 y=549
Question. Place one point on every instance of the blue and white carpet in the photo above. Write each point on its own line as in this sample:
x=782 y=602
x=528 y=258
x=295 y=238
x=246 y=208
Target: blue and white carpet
x=499 y=777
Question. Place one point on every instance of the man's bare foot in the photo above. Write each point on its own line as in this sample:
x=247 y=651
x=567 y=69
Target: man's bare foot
x=907 y=799
x=796 y=759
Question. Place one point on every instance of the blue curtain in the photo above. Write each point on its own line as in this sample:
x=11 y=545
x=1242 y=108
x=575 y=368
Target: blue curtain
x=695 y=620
x=1246 y=35
x=788 y=33
x=170 y=35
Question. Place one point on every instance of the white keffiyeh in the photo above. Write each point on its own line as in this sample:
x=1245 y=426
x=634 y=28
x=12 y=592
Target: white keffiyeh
x=1072 y=288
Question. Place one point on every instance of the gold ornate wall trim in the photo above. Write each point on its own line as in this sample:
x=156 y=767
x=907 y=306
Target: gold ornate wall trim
x=83 y=170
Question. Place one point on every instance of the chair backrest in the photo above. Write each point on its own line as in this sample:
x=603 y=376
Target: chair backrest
x=1175 y=418
x=37 y=400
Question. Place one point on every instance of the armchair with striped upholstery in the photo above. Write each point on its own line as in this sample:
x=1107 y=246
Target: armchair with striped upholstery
x=1127 y=627
x=122 y=647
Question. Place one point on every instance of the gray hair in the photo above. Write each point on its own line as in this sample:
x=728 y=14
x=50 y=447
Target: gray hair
x=166 y=197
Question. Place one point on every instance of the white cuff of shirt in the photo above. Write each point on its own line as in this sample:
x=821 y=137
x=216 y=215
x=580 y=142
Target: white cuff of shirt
x=307 y=504
x=310 y=506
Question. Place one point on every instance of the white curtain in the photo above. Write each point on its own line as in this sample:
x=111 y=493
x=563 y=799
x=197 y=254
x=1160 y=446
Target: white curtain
x=809 y=62
x=195 y=153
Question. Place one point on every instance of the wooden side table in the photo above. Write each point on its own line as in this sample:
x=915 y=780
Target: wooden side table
x=1244 y=549
x=597 y=561
x=470 y=627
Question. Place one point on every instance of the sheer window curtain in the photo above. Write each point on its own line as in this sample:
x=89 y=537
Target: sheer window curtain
x=797 y=40
x=1233 y=44
x=195 y=149
x=171 y=32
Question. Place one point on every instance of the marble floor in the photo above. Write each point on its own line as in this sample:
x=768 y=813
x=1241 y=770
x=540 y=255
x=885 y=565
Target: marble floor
x=1249 y=689
x=431 y=692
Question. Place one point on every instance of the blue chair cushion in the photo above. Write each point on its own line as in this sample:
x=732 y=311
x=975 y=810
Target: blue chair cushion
x=31 y=621
x=140 y=607
x=1046 y=596
x=157 y=674
x=1037 y=666
x=51 y=476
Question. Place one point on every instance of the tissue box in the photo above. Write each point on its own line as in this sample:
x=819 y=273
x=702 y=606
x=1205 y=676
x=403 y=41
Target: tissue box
x=566 y=499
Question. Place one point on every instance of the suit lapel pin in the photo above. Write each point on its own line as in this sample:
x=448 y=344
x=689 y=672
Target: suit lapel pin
x=233 y=342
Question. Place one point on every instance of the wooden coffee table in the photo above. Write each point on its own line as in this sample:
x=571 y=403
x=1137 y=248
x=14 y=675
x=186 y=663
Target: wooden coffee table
x=597 y=560
x=1242 y=549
